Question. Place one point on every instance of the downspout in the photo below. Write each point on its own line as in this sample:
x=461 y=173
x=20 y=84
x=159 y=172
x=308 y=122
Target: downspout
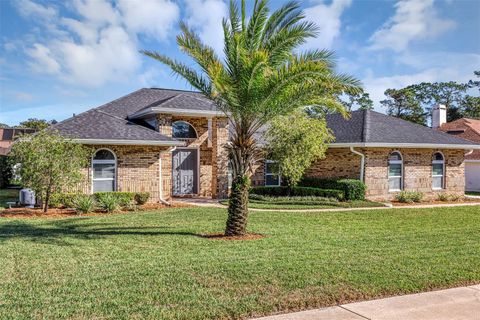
x=160 y=188
x=362 y=163
x=469 y=152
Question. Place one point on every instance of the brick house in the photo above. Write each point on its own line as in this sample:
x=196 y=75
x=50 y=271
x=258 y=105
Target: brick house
x=468 y=129
x=172 y=143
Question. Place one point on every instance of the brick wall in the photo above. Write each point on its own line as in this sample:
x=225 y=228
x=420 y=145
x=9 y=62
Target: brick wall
x=417 y=172
x=339 y=163
x=137 y=170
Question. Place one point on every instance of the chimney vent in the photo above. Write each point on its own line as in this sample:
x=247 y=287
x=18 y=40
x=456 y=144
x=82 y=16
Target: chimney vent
x=439 y=115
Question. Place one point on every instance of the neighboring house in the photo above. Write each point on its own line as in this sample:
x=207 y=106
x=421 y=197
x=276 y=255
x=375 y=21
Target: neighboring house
x=171 y=143
x=468 y=129
x=8 y=135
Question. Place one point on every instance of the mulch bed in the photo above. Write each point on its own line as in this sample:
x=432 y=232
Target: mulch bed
x=221 y=236
x=63 y=213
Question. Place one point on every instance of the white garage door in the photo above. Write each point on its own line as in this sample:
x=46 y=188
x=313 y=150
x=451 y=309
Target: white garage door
x=472 y=176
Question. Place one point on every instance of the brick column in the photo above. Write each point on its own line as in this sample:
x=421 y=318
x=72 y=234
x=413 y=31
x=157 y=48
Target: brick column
x=219 y=158
x=164 y=124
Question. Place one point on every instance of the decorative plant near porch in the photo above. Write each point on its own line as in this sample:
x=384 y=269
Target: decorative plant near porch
x=295 y=141
x=49 y=162
x=260 y=77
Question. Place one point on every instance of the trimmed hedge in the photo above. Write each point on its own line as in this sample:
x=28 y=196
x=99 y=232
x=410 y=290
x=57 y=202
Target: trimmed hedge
x=298 y=192
x=352 y=189
x=124 y=199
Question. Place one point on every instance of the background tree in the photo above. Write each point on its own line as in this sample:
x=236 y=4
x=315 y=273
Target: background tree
x=6 y=171
x=37 y=124
x=357 y=101
x=49 y=163
x=295 y=141
x=450 y=94
x=4 y=126
x=402 y=103
x=261 y=77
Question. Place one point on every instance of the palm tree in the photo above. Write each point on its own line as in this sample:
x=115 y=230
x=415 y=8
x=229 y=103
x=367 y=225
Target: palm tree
x=260 y=77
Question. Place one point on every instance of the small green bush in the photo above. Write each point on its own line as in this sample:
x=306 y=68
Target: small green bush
x=109 y=202
x=297 y=192
x=66 y=200
x=353 y=189
x=141 y=197
x=84 y=204
x=123 y=198
x=409 y=196
x=448 y=197
x=258 y=197
x=443 y=197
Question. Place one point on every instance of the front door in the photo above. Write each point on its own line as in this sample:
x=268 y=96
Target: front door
x=185 y=171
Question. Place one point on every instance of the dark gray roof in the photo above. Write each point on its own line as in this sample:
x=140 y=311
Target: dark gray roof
x=365 y=126
x=110 y=121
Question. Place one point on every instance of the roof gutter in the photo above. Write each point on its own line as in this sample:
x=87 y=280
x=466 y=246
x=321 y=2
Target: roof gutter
x=404 y=145
x=176 y=112
x=130 y=142
x=362 y=163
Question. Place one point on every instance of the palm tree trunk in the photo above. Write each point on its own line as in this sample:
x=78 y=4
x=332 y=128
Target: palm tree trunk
x=238 y=207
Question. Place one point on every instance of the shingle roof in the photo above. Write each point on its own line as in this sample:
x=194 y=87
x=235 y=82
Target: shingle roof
x=110 y=121
x=96 y=124
x=371 y=127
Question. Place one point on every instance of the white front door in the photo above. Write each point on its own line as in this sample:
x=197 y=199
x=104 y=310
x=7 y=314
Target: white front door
x=472 y=176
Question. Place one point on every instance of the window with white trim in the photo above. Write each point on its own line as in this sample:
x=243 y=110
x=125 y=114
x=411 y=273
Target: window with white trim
x=395 y=171
x=438 y=171
x=104 y=171
x=272 y=177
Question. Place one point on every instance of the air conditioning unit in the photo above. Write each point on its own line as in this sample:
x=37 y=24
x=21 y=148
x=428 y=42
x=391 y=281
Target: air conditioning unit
x=27 y=198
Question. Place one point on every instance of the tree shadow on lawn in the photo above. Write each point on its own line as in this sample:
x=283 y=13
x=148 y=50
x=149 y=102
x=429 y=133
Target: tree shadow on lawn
x=55 y=232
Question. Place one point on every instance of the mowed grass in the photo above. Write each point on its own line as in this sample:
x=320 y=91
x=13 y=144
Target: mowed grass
x=281 y=205
x=155 y=266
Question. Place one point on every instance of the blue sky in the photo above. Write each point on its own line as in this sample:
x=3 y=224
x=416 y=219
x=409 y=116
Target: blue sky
x=63 y=57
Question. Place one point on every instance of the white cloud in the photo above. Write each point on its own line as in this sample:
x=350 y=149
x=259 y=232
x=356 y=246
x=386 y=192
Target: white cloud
x=153 y=17
x=327 y=18
x=413 y=20
x=205 y=16
x=98 y=43
x=43 y=60
x=29 y=8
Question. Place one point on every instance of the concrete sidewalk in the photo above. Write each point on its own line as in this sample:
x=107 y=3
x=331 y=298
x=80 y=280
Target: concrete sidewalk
x=453 y=304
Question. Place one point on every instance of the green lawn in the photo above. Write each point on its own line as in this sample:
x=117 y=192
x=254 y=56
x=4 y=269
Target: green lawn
x=7 y=195
x=155 y=266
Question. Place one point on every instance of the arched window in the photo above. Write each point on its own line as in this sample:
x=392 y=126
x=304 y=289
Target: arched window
x=183 y=130
x=395 y=171
x=438 y=171
x=104 y=170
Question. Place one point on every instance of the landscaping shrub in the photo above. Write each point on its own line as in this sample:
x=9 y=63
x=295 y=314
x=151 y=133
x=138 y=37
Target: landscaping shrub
x=443 y=197
x=448 y=197
x=66 y=200
x=123 y=198
x=141 y=197
x=84 y=204
x=353 y=189
x=409 y=196
x=257 y=197
x=109 y=202
x=298 y=192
